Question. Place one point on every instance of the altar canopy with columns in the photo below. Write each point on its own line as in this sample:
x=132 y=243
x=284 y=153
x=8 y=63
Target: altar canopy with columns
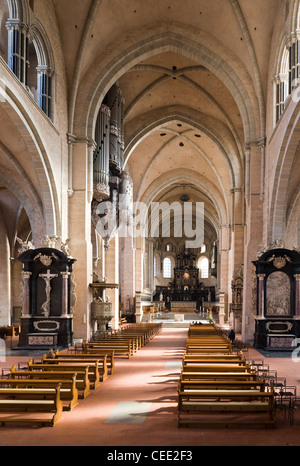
x=277 y=323
x=48 y=298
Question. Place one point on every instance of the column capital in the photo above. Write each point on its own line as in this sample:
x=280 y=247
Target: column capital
x=71 y=139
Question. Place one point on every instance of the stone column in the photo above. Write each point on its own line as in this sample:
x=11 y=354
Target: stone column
x=254 y=221
x=247 y=173
x=225 y=282
x=65 y=285
x=26 y=294
x=80 y=235
x=139 y=276
x=222 y=308
x=112 y=276
x=297 y=295
x=262 y=146
x=261 y=295
x=127 y=272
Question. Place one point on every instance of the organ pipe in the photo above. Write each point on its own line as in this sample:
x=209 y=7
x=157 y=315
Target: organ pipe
x=101 y=155
x=115 y=103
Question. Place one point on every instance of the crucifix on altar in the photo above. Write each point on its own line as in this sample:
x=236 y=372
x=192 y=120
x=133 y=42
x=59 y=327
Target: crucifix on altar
x=47 y=277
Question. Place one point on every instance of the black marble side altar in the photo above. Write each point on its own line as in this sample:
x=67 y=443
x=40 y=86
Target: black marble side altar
x=47 y=318
x=277 y=321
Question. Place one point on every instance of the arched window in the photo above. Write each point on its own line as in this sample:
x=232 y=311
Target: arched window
x=41 y=72
x=282 y=84
x=204 y=267
x=28 y=53
x=287 y=72
x=17 y=26
x=167 y=268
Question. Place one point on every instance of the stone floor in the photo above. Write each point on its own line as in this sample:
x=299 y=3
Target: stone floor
x=137 y=406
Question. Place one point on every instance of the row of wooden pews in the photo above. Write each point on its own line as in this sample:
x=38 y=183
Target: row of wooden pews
x=126 y=341
x=39 y=393
x=219 y=387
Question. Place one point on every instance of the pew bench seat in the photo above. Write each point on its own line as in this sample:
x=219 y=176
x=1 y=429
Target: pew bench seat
x=78 y=368
x=68 y=390
x=203 y=367
x=102 y=367
x=214 y=406
x=81 y=377
x=134 y=342
x=218 y=375
x=119 y=348
x=221 y=384
x=94 y=354
x=30 y=406
x=208 y=350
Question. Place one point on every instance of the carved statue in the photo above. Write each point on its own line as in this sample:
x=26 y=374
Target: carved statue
x=25 y=245
x=65 y=247
x=50 y=241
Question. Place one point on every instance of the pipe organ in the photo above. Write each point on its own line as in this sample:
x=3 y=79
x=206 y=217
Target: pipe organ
x=112 y=195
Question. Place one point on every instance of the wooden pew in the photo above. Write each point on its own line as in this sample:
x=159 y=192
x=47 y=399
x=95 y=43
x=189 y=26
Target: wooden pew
x=57 y=373
x=191 y=360
x=78 y=368
x=218 y=375
x=146 y=333
x=203 y=367
x=63 y=359
x=94 y=352
x=209 y=356
x=68 y=390
x=216 y=386
x=208 y=350
x=107 y=358
x=196 y=407
x=31 y=406
x=134 y=341
x=221 y=384
x=119 y=348
x=207 y=343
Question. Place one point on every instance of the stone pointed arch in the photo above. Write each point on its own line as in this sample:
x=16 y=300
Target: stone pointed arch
x=175 y=176
x=19 y=10
x=230 y=71
x=41 y=163
x=213 y=129
x=288 y=152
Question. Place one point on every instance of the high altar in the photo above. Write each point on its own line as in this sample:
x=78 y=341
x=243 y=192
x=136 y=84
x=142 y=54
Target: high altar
x=186 y=293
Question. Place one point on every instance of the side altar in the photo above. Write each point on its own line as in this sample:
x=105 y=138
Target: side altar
x=277 y=320
x=47 y=298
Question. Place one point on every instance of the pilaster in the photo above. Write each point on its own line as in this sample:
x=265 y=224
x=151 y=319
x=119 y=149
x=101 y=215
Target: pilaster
x=80 y=231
